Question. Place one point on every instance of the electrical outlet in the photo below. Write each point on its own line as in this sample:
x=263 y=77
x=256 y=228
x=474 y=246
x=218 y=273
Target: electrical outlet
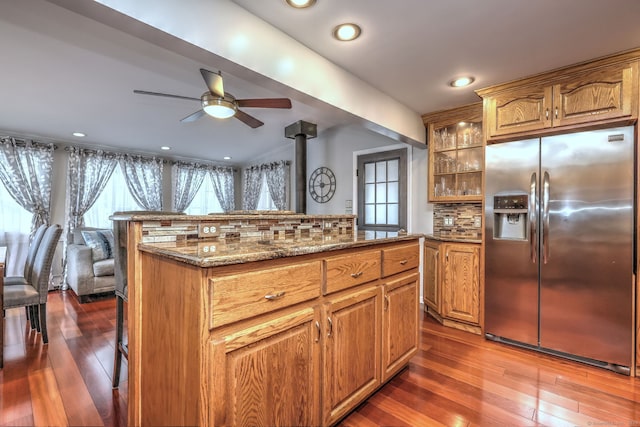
x=477 y=221
x=448 y=221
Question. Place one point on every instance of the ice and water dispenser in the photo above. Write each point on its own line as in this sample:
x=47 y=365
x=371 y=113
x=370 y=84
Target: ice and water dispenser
x=510 y=216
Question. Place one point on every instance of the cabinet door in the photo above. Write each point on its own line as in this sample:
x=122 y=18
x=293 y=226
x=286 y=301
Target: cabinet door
x=518 y=110
x=431 y=291
x=267 y=374
x=460 y=294
x=400 y=323
x=598 y=95
x=353 y=322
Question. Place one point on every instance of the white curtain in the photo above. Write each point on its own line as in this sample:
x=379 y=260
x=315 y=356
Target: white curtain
x=186 y=180
x=251 y=186
x=144 y=180
x=25 y=173
x=277 y=175
x=223 y=185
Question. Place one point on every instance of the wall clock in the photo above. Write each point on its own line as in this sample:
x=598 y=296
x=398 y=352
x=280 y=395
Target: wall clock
x=322 y=184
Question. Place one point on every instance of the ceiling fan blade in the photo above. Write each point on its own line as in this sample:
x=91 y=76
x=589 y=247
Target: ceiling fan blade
x=264 y=103
x=193 y=117
x=166 y=95
x=213 y=81
x=247 y=119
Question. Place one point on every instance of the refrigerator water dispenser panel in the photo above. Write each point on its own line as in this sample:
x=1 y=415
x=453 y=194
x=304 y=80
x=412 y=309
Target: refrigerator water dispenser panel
x=510 y=216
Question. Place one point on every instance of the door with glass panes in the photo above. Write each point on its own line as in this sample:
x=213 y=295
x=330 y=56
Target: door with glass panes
x=382 y=191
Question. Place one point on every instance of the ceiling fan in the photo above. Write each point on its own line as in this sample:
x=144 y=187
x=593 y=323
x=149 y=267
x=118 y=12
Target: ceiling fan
x=220 y=104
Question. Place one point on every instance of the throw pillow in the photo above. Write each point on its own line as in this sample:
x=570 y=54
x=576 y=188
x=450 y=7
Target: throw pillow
x=100 y=242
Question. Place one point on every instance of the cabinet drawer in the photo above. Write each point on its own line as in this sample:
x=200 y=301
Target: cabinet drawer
x=345 y=271
x=401 y=258
x=241 y=296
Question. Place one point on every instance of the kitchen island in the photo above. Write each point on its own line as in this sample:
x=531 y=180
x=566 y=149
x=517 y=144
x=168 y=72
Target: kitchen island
x=288 y=324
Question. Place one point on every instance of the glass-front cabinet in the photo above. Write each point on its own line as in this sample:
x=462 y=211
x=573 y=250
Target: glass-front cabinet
x=455 y=154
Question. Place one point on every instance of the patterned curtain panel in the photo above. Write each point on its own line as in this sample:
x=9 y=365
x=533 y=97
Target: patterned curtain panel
x=251 y=186
x=144 y=180
x=88 y=173
x=277 y=175
x=223 y=185
x=186 y=181
x=25 y=170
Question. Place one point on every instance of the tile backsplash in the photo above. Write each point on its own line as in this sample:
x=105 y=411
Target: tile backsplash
x=458 y=220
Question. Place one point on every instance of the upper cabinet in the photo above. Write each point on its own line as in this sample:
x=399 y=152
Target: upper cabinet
x=601 y=91
x=455 y=154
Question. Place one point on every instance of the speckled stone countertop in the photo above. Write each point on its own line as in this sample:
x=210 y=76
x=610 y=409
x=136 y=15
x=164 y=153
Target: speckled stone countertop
x=458 y=239
x=219 y=252
x=236 y=215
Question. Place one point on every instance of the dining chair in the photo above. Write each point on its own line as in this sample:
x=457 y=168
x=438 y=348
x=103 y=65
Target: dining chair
x=28 y=268
x=34 y=292
x=122 y=289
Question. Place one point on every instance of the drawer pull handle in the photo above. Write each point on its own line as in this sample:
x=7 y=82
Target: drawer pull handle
x=330 y=326
x=404 y=261
x=356 y=275
x=273 y=297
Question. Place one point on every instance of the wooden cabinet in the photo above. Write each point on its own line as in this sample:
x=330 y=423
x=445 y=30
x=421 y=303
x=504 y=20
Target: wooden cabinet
x=289 y=341
x=352 y=350
x=399 y=323
x=571 y=97
x=452 y=284
x=456 y=157
x=431 y=272
x=272 y=372
x=460 y=283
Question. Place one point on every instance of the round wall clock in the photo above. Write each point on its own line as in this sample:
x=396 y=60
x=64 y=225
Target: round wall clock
x=322 y=184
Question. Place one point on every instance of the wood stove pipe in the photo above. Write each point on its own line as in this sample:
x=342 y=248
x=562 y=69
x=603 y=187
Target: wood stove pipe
x=301 y=131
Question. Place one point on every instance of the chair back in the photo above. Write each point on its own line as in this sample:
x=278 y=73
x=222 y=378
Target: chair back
x=43 y=261
x=120 y=249
x=33 y=250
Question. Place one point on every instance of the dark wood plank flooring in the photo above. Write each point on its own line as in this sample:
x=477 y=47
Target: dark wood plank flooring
x=457 y=379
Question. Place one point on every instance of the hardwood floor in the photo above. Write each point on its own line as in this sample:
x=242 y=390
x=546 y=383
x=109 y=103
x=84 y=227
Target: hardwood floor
x=457 y=379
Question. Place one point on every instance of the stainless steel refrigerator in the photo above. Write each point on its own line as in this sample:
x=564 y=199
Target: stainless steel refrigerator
x=559 y=234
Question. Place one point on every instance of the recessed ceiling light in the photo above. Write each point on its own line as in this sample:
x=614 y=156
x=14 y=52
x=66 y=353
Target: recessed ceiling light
x=462 y=81
x=347 y=32
x=164 y=147
x=227 y=157
x=79 y=134
x=301 y=4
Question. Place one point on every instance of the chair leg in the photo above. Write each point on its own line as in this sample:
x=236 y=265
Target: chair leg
x=36 y=317
x=117 y=361
x=43 y=322
x=31 y=317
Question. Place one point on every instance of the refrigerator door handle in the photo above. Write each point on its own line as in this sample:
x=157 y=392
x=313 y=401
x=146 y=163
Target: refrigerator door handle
x=533 y=208
x=545 y=217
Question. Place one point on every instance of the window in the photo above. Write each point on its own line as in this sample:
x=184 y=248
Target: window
x=382 y=191
x=205 y=200
x=265 y=202
x=115 y=197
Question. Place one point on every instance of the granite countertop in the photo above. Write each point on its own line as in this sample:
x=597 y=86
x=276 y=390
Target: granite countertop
x=460 y=239
x=236 y=215
x=218 y=252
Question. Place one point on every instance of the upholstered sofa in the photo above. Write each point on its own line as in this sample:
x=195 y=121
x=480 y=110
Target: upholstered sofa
x=90 y=263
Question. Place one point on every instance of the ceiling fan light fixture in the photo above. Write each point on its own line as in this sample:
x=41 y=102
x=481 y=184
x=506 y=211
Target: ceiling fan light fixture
x=220 y=108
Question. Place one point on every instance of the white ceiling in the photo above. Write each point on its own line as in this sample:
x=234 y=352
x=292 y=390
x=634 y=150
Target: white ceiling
x=63 y=72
